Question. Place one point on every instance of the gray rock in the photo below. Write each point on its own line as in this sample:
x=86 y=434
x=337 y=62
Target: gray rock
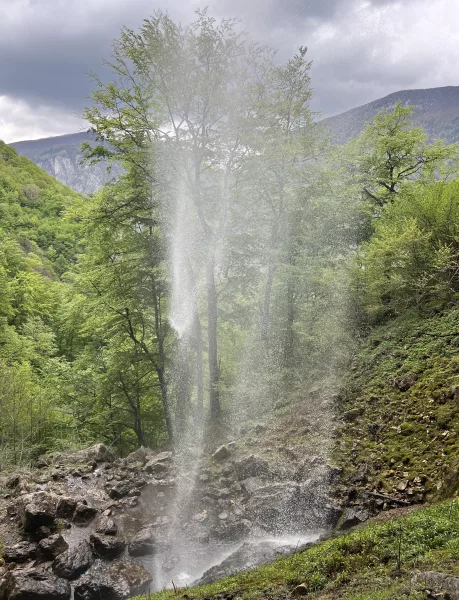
x=21 y=552
x=439 y=581
x=106 y=526
x=405 y=382
x=65 y=507
x=112 y=581
x=33 y=584
x=121 y=489
x=139 y=456
x=248 y=556
x=73 y=562
x=351 y=518
x=37 y=509
x=107 y=546
x=221 y=453
x=251 y=466
x=52 y=546
x=142 y=544
x=84 y=514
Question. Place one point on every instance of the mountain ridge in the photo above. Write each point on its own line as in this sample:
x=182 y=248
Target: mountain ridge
x=436 y=109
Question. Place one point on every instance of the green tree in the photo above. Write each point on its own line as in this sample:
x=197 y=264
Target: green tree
x=391 y=153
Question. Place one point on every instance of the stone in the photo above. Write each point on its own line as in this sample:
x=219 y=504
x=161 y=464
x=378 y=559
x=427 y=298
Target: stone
x=65 y=507
x=42 y=532
x=106 y=526
x=300 y=590
x=32 y=584
x=37 y=509
x=251 y=485
x=52 y=546
x=405 y=382
x=112 y=581
x=249 y=555
x=73 y=562
x=351 y=518
x=156 y=468
x=142 y=544
x=221 y=453
x=353 y=414
x=13 y=482
x=251 y=466
x=121 y=489
x=439 y=581
x=21 y=552
x=138 y=456
x=84 y=514
x=106 y=546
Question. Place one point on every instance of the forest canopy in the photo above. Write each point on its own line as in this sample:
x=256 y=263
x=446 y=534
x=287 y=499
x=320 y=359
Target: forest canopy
x=290 y=248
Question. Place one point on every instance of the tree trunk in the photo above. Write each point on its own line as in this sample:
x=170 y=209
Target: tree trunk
x=214 y=374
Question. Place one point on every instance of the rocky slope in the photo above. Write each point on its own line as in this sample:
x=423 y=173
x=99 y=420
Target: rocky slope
x=89 y=524
x=61 y=157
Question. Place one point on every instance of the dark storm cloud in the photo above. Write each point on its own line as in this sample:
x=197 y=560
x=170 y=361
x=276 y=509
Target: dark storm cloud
x=361 y=49
x=48 y=46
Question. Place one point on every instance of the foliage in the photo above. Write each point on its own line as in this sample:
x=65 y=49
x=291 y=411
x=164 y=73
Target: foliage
x=376 y=561
x=412 y=257
x=391 y=153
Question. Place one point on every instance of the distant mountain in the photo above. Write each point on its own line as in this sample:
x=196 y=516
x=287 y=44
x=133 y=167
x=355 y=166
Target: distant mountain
x=61 y=157
x=436 y=109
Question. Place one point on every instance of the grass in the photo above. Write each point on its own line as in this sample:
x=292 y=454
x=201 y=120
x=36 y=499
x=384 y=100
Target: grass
x=376 y=562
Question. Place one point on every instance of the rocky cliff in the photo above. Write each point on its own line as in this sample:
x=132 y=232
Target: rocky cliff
x=61 y=157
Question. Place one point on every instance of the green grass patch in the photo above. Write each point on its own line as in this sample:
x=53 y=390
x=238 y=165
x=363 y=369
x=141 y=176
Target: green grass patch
x=375 y=562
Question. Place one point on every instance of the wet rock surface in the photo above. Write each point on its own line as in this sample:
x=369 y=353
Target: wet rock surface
x=249 y=555
x=74 y=562
x=107 y=546
x=113 y=581
x=142 y=544
x=34 y=584
x=117 y=515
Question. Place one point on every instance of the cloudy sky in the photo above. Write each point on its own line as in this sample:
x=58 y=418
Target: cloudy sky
x=362 y=49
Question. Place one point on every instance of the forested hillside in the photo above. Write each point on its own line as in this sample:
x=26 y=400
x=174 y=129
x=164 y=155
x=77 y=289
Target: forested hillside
x=255 y=329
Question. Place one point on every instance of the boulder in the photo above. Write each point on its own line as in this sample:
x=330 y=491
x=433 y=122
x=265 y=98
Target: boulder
x=405 y=382
x=112 y=581
x=353 y=414
x=37 y=509
x=300 y=590
x=158 y=465
x=65 y=507
x=142 y=544
x=13 y=482
x=221 y=453
x=139 y=456
x=5 y=582
x=21 y=552
x=73 y=562
x=33 y=584
x=52 y=546
x=352 y=517
x=84 y=514
x=251 y=466
x=434 y=580
x=107 y=546
x=106 y=526
x=121 y=489
x=248 y=556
